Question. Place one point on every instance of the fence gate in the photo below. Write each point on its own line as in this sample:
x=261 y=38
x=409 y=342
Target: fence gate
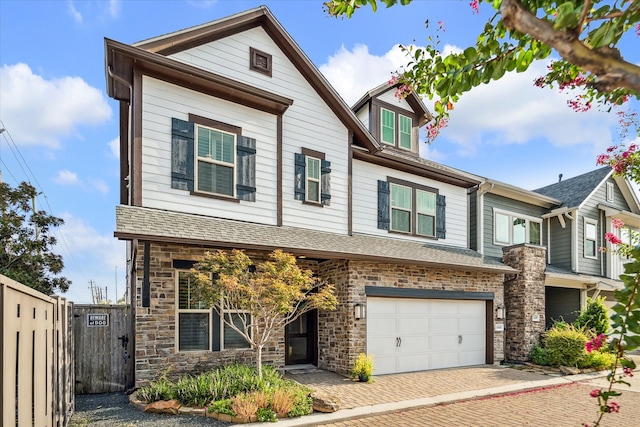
x=103 y=360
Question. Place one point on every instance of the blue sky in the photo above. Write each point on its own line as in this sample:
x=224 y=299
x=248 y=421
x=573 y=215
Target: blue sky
x=62 y=129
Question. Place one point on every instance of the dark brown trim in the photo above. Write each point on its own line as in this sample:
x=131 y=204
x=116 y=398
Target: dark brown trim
x=412 y=99
x=392 y=292
x=215 y=196
x=135 y=177
x=122 y=57
x=256 y=65
x=205 y=121
x=414 y=207
x=279 y=190
x=376 y=112
x=312 y=203
x=312 y=153
x=416 y=167
x=309 y=253
x=489 y=335
x=124 y=154
x=404 y=183
x=146 y=280
x=350 y=187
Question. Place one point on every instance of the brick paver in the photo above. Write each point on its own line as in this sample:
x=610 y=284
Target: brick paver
x=559 y=406
x=409 y=386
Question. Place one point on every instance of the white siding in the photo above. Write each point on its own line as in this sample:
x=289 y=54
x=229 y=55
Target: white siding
x=161 y=102
x=390 y=98
x=365 y=203
x=363 y=115
x=308 y=123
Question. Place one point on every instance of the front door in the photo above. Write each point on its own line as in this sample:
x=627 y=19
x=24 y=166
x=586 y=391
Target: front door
x=300 y=339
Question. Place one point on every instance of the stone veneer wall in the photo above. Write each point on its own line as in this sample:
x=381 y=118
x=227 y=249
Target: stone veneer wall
x=342 y=337
x=524 y=300
x=155 y=330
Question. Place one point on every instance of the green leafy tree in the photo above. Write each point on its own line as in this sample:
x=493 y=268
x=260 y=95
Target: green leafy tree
x=594 y=317
x=262 y=299
x=585 y=34
x=27 y=244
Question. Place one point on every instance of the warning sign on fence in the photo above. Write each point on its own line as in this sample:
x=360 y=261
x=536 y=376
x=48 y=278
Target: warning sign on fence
x=97 y=320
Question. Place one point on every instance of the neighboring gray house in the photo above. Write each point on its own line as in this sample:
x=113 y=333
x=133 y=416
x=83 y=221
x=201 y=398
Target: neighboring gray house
x=576 y=230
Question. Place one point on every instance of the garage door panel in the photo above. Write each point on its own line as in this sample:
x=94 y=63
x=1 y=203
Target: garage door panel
x=406 y=334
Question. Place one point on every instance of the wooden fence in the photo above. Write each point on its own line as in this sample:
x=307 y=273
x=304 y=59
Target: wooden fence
x=36 y=350
x=103 y=361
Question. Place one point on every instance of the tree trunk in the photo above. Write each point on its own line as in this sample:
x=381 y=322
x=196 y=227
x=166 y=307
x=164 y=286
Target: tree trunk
x=259 y=360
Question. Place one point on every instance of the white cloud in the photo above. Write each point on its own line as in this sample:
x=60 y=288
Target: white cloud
x=114 y=8
x=81 y=245
x=66 y=177
x=354 y=72
x=203 y=4
x=114 y=147
x=77 y=16
x=38 y=111
x=100 y=185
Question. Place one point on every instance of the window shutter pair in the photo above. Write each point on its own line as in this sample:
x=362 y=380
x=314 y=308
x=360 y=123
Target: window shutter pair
x=300 y=174
x=384 y=212
x=183 y=154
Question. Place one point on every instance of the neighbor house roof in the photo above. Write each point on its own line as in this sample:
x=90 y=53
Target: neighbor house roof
x=574 y=191
x=562 y=276
x=164 y=226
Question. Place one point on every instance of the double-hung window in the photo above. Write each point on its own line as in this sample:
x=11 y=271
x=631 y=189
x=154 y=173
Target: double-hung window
x=202 y=328
x=395 y=129
x=404 y=132
x=413 y=209
x=514 y=229
x=388 y=126
x=590 y=238
x=215 y=161
x=313 y=180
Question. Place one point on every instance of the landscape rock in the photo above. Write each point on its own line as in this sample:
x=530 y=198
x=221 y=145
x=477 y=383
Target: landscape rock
x=569 y=370
x=323 y=402
x=163 y=407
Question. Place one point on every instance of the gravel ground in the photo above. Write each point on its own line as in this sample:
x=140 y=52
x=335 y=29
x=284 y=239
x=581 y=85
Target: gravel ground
x=114 y=410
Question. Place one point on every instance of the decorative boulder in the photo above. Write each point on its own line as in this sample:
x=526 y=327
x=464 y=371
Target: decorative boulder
x=322 y=402
x=163 y=407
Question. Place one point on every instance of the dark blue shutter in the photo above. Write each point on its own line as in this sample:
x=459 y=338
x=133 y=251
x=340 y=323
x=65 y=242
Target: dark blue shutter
x=182 y=154
x=441 y=225
x=215 y=326
x=325 y=182
x=246 y=172
x=383 y=205
x=300 y=176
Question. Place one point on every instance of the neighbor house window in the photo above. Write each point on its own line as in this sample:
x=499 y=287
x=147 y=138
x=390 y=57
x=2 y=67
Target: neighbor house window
x=202 y=328
x=215 y=161
x=513 y=229
x=590 y=238
x=404 y=132
x=388 y=126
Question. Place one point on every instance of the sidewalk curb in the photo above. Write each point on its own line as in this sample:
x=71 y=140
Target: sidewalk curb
x=384 y=408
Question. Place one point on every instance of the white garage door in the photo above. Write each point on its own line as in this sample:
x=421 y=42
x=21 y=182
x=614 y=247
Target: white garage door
x=407 y=334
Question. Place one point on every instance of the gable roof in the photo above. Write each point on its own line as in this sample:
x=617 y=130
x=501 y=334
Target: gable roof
x=574 y=191
x=414 y=101
x=120 y=59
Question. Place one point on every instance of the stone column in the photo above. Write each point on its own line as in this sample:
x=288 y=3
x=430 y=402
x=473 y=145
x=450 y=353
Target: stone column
x=524 y=298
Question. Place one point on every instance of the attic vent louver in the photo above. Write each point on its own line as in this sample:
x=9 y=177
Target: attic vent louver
x=260 y=61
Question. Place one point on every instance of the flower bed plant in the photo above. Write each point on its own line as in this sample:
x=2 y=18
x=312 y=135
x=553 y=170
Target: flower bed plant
x=235 y=391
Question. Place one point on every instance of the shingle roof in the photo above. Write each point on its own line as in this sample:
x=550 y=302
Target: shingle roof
x=158 y=225
x=573 y=191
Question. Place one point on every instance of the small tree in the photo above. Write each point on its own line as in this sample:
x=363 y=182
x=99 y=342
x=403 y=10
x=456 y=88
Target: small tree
x=264 y=298
x=26 y=244
x=594 y=317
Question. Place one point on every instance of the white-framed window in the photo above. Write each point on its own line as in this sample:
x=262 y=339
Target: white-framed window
x=215 y=161
x=425 y=213
x=202 y=328
x=313 y=180
x=404 y=132
x=610 y=191
x=590 y=238
x=401 y=207
x=387 y=126
x=514 y=229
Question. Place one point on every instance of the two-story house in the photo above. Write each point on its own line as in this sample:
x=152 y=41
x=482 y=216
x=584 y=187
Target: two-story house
x=231 y=138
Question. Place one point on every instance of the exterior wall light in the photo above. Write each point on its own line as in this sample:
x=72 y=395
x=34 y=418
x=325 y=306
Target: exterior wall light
x=360 y=311
x=500 y=312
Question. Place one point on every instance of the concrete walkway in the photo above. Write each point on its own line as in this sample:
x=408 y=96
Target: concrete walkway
x=389 y=393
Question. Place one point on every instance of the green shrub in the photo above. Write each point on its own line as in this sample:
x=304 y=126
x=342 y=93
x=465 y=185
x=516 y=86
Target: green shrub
x=162 y=389
x=266 y=415
x=539 y=355
x=222 y=406
x=597 y=360
x=565 y=346
x=594 y=317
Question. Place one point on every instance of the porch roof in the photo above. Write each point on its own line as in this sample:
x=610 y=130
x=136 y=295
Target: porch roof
x=165 y=226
